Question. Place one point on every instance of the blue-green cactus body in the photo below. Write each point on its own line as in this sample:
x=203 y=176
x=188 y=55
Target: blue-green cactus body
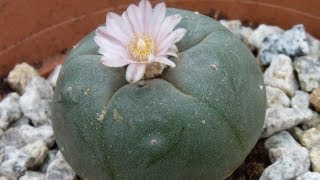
x=198 y=121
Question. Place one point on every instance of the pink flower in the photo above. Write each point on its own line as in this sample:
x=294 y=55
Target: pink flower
x=139 y=37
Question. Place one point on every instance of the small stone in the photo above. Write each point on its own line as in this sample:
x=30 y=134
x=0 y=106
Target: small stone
x=279 y=119
x=313 y=122
x=33 y=175
x=311 y=137
x=314 y=45
x=50 y=158
x=9 y=110
x=37 y=153
x=292 y=42
x=26 y=134
x=19 y=77
x=297 y=133
x=36 y=101
x=2 y=151
x=13 y=165
x=280 y=75
x=243 y=33
x=21 y=121
x=308 y=69
x=233 y=25
x=315 y=158
x=284 y=168
x=53 y=77
x=4 y=119
x=315 y=99
x=276 y=98
x=309 y=176
x=60 y=169
x=261 y=33
x=3 y=178
x=300 y=100
x=289 y=158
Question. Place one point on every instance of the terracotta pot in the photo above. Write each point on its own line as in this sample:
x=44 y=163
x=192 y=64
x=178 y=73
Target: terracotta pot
x=38 y=31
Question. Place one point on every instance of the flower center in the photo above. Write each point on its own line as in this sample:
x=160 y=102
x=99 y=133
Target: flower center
x=141 y=47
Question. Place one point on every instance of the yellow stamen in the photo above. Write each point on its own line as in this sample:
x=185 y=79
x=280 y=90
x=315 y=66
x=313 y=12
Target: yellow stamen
x=141 y=47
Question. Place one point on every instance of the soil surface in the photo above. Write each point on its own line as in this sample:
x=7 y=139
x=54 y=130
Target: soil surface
x=254 y=164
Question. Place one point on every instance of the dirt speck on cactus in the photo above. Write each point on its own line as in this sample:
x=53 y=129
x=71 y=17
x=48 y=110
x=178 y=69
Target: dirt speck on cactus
x=117 y=116
x=102 y=114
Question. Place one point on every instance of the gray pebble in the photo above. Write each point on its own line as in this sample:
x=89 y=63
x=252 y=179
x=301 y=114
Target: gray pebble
x=9 y=110
x=292 y=42
x=261 y=33
x=314 y=45
x=280 y=75
x=311 y=137
x=297 y=132
x=60 y=169
x=50 y=158
x=279 y=119
x=26 y=134
x=4 y=119
x=313 y=122
x=20 y=76
x=33 y=175
x=36 y=101
x=300 y=100
x=14 y=163
x=243 y=33
x=289 y=158
x=276 y=98
x=37 y=153
x=284 y=168
x=315 y=158
x=308 y=69
x=309 y=176
x=233 y=25
x=2 y=150
x=21 y=121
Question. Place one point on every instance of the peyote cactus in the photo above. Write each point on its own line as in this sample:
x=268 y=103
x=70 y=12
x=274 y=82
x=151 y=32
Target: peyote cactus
x=198 y=120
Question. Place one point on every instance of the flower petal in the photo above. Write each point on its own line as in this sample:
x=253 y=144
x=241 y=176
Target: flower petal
x=174 y=54
x=102 y=32
x=158 y=15
x=172 y=51
x=166 y=61
x=119 y=24
x=135 y=72
x=107 y=46
x=167 y=26
x=135 y=18
x=118 y=28
x=151 y=58
x=114 y=62
x=173 y=48
x=173 y=38
x=146 y=11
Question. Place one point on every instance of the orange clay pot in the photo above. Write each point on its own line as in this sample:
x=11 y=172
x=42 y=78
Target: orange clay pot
x=39 y=32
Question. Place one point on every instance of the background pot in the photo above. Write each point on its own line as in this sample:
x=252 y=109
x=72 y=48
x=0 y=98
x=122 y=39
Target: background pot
x=39 y=32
